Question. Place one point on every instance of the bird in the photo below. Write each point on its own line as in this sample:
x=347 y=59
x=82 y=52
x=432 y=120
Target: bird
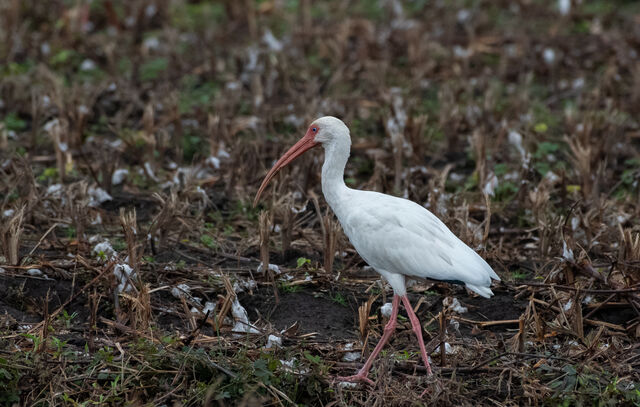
x=398 y=238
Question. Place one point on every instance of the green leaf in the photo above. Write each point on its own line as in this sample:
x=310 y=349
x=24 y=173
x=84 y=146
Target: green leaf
x=152 y=69
x=302 y=261
x=13 y=122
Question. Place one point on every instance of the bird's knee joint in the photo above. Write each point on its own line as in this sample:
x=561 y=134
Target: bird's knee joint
x=389 y=327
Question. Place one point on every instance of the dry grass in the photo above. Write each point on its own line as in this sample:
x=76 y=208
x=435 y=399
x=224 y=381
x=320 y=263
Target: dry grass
x=136 y=134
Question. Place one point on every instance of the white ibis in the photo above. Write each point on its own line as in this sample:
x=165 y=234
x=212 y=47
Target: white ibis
x=397 y=237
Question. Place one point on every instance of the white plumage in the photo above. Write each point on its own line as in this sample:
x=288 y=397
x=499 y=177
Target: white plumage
x=395 y=236
x=399 y=238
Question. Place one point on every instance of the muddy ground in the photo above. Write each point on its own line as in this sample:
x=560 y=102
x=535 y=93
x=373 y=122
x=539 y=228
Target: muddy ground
x=134 y=136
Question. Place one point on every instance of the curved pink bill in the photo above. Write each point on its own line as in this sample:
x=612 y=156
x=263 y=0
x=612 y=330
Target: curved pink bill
x=304 y=144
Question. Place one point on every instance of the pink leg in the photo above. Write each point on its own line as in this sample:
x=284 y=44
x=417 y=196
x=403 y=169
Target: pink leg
x=388 y=331
x=417 y=329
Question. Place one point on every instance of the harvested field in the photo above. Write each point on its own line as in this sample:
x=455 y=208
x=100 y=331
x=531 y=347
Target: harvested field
x=134 y=136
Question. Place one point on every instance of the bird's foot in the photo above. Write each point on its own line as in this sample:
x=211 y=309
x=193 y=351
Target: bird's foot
x=358 y=378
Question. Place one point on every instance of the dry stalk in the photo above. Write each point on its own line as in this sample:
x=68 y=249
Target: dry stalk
x=264 y=225
x=363 y=317
x=140 y=309
x=630 y=246
x=226 y=303
x=487 y=220
x=4 y=137
x=168 y=219
x=94 y=301
x=581 y=160
x=442 y=323
x=480 y=146
x=130 y=229
x=577 y=316
x=286 y=230
x=57 y=129
x=332 y=232
x=46 y=322
x=10 y=234
x=395 y=131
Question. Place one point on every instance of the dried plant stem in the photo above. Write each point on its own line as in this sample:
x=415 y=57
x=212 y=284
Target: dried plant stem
x=265 y=225
x=130 y=229
x=10 y=236
x=332 y=230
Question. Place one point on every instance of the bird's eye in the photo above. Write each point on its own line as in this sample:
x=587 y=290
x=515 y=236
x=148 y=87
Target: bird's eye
x=314 y=129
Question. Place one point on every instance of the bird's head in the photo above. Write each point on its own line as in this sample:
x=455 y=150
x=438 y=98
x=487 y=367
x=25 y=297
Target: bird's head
x=326 y=130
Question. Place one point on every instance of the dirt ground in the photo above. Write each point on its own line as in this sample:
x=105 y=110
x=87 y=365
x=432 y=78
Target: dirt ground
x=134 y=136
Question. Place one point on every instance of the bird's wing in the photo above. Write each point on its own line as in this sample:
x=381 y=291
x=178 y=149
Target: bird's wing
x=400 y=236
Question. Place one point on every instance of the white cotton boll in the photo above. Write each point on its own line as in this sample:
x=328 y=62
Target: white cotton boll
x=386 y=309
x=209 y=307
x=273 y=341
x=567 y=306
x=35 y=272
x=491 y=184
x=462 y=53
x=222 y=153
x=242 y=319
x=213 y=162
x=549 y=56
x=242 y=285
x=448 y=349
x=104 y=249
x=150 y=10
x=151 y=43
x=578 y=83
x=97 y=220
x=2 y=271
x=124 y=275
x=149 y=170
x=272 y=267
x=454 y=305
x=564 y=7
x=181 y=291
x=552 y=177
x=298 y=210
x=233 y=85
x=567 y=253
x=83 y=110
x=515 y=139
x=98 y=196
x=119 y=176
x=347 y=385
x=54 y=189
x=351 y=356
x=575 y=222
x=290 y=366
x=463 y=16
x=7 y=213
x=115 y=144
x=271 y=41
x=87 y=65
x=293 y=120
x=588 y=299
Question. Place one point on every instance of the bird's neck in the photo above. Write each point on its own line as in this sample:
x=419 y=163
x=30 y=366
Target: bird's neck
x=333 y=187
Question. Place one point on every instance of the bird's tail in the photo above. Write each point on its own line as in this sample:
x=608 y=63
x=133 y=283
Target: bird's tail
x=481 y=290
